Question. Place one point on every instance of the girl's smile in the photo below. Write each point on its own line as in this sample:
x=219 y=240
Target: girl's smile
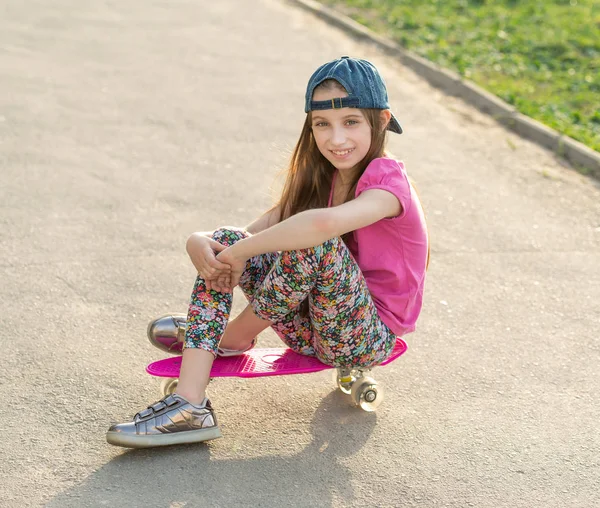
x=342 y=154
x=342 y=135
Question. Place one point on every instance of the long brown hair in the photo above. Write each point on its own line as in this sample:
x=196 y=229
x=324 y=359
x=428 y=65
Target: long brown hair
x=310 y=174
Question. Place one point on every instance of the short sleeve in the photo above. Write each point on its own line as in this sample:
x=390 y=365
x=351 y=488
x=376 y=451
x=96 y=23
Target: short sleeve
x=390 y=175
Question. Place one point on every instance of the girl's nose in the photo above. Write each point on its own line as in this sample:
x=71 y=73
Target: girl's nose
x=338 y=136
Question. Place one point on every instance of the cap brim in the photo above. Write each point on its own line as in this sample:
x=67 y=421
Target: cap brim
x=394 y=126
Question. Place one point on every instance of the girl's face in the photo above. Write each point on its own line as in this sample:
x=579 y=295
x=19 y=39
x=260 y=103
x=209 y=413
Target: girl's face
x=342 y=135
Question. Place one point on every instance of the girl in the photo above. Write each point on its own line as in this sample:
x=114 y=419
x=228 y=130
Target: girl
x=336 y=268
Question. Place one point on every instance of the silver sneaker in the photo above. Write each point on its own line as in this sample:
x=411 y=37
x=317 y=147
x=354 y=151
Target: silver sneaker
x=167 y=333
x=172 y=420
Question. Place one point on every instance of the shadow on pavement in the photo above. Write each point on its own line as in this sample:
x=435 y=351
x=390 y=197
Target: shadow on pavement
x=314 y=477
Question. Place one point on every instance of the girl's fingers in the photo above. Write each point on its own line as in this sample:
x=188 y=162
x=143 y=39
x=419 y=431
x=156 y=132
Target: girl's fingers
x=210 y=255
x=216 y=286
x=223 y=283
x=217 y=265
x=210 y=275
x=216 y=279
x=210 y=262
x=216 y=246
x=203 y=273
x=208 y=272
x=215 y=275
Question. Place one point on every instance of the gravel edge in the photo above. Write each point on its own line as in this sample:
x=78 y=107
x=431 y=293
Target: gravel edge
x=582 y=158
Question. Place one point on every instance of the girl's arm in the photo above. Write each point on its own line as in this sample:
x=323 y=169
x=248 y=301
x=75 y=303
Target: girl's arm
x=313 y=227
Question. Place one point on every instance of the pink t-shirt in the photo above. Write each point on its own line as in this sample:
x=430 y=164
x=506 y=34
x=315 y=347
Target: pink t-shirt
x=392 y=253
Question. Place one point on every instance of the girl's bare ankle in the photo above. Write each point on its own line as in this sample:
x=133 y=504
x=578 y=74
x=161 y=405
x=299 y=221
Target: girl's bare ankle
x=192 y=397
x=243 y=330
x=235 y=343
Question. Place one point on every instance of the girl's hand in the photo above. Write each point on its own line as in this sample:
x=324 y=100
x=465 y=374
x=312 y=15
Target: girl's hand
x=238 y=265
x=202 y=251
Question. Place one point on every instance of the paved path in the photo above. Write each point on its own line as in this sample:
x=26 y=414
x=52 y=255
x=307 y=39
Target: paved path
x=125 y=126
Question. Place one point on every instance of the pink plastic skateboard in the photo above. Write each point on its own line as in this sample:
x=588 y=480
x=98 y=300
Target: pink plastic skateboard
x=281 y=362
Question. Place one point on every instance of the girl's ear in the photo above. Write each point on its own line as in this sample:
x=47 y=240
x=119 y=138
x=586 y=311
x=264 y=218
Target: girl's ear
x=386 y=116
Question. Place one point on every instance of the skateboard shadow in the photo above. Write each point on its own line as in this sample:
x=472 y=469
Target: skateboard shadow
x=187 y=475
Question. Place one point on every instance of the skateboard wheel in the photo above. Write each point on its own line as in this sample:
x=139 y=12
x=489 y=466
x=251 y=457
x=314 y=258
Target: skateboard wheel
x=344 y=378
x=168 y=386
x=367 y=394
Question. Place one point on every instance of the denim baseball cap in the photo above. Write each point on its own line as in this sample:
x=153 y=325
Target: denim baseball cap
x=362 y=81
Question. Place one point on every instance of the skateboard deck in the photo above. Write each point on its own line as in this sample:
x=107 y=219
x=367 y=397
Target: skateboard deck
x=259 y=362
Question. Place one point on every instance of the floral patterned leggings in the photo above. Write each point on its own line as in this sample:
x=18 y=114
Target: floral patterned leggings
x=343 y=328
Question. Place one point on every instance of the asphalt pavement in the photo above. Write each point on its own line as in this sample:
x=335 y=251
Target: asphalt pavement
x=125 y=126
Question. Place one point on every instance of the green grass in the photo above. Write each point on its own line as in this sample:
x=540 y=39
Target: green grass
x=542 y=56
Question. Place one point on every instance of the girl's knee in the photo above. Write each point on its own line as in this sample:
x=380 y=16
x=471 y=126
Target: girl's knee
x=335 y=242
x=333 y=245
x=229 y=235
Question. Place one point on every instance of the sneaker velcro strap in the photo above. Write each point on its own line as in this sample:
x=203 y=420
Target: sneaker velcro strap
x=160 y=405
x=171 y=401
x=144 y=413
x=155 y=409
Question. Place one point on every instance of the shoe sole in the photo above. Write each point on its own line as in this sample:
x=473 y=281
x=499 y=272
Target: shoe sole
x=141 y=441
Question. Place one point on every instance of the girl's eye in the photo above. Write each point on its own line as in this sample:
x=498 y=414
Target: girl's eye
x=351 y=122
x=321 y=124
